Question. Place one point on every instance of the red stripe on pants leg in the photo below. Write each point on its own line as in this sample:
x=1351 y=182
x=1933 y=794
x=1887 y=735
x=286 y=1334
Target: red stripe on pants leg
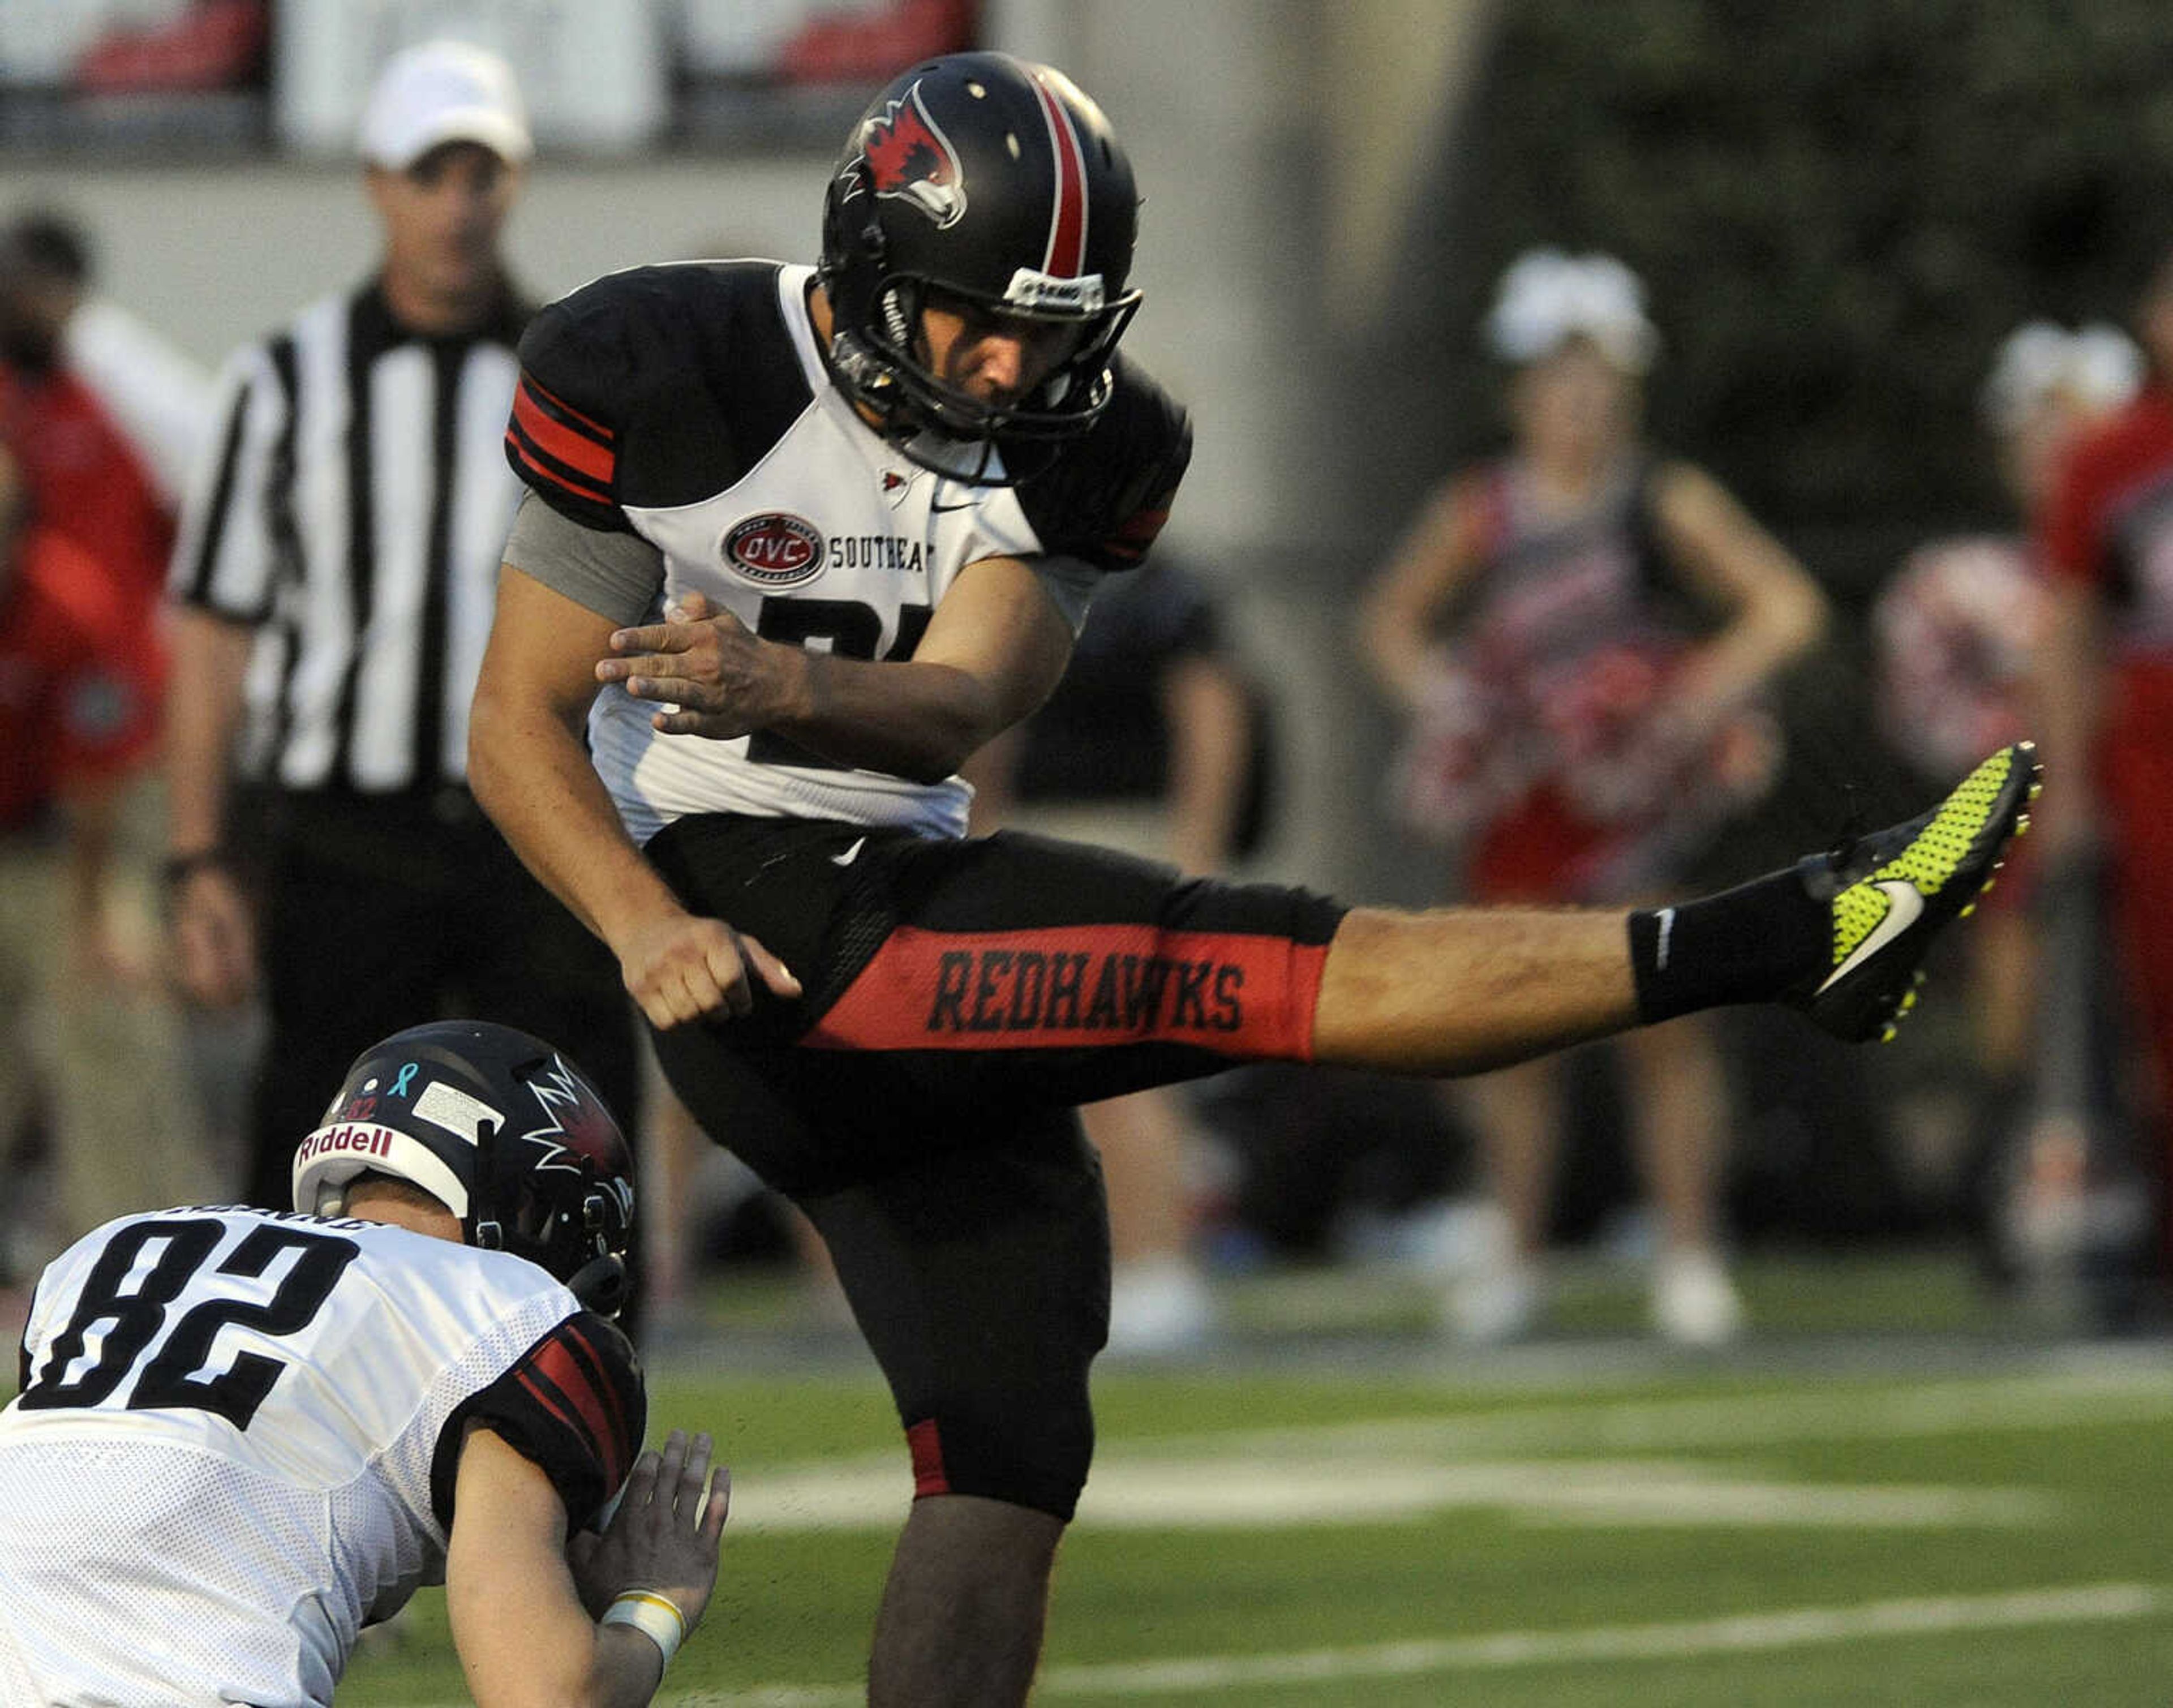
x=928 y=1476
x=1079 y=986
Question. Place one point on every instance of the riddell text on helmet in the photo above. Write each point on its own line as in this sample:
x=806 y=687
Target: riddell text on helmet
x=360 y=1139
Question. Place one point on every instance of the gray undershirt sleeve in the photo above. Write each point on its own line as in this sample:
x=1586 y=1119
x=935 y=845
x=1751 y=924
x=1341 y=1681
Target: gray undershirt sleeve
x=615 y=575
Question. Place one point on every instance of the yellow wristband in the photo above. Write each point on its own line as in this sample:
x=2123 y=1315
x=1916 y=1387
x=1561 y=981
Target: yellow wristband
x=656 y=1617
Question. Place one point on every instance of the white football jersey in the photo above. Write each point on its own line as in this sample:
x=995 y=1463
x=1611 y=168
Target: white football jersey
x=693 y=406
x=236 y=1438
x=859 y=536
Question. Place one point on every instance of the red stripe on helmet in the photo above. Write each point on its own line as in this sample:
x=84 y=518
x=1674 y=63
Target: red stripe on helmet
x=1066 y=255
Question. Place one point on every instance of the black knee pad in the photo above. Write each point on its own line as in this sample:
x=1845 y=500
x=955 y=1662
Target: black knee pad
x=1028 y=1450
x=980 y=1277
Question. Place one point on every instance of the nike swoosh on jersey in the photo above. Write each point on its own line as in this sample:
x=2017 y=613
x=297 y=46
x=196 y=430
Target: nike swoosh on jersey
x=1904 y=907
x=853 y=854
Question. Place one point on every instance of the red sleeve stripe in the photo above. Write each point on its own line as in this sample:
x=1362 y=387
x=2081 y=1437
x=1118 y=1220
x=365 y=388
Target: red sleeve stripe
x=559 y=407
x=620 y=1436
x=554 y=1402
x=543 y=423
x=554 y=1364
x=531 y=461
x=1137 y=532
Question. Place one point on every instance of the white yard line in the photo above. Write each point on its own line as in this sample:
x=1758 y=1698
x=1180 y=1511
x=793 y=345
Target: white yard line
x=1846 y=1411
x=1360 y=1486
x=1379 y=1470
x=2102 y=1603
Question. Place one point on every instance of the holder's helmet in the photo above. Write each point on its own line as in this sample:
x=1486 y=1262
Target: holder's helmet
x=500 y=1128
x=987 y=178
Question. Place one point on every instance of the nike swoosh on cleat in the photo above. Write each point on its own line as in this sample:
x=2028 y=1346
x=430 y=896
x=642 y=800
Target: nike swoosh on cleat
x=1904 y=907
x=853 y=854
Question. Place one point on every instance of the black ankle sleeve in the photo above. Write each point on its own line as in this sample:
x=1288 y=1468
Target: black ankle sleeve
x=1749 y=944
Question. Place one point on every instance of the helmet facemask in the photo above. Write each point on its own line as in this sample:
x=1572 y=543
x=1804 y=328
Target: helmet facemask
x=882 y=366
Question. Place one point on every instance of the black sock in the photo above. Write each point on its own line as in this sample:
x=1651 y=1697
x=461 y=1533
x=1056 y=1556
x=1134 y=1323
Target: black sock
x=1749 y=944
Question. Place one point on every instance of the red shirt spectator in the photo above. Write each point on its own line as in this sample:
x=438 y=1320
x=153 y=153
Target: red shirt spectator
x=85 y=480
x=2107 y=686
x=81 y=680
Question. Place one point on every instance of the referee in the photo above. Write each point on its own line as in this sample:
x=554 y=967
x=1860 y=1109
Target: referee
x=335 y=574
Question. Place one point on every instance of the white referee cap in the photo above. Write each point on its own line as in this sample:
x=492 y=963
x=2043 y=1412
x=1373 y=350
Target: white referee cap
x=1547 y=297
x=444 y=92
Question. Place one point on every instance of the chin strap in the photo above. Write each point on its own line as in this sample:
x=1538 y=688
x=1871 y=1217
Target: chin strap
x=602 y=1285
x=483 y=1231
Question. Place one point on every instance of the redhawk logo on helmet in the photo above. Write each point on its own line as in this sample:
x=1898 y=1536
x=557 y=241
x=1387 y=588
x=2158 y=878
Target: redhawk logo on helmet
x=908 y=156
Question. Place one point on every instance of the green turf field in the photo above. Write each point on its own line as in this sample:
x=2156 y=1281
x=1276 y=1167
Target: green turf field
x=1340 y=1512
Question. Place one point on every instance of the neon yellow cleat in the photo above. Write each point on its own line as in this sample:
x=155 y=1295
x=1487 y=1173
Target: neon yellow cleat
x=1894 y=891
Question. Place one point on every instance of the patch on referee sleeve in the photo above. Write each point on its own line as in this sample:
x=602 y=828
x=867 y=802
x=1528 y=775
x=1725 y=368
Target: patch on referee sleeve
x=552 y=443
x=1242 y=994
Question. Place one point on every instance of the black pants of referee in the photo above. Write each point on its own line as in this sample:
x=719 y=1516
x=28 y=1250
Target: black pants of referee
x=380 y=913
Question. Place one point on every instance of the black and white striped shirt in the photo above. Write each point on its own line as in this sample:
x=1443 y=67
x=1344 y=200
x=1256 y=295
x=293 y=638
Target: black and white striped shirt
x=354 y=513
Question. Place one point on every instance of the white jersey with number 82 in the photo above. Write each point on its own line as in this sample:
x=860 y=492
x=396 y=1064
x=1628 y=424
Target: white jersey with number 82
x=220 y=1466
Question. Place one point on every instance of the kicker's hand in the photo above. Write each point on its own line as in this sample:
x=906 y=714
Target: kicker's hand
x=713 y=675
x=662 y=1536
x=681 y=967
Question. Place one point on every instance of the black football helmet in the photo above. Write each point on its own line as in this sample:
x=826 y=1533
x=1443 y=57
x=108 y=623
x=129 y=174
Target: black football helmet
x=499 y=1128
x=993 y=179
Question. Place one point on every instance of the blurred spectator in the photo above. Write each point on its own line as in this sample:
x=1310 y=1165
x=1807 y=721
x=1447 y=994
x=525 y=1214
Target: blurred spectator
x=1958 y=627
x=86 y=659
x=1957 y=634
x=103 y=414
x=109 y=432
x=2105 y=688
x=1153 y=743
x=86 y=1036
x=335 y=572
x=1580 y=633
